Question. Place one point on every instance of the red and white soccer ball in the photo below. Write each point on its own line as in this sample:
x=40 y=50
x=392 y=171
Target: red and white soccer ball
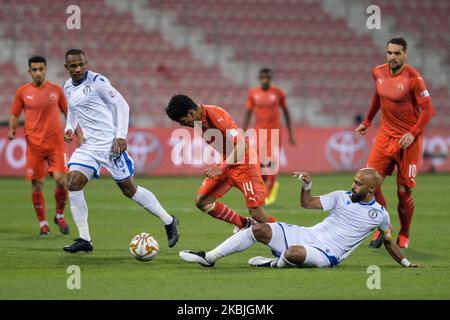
x=144 y=247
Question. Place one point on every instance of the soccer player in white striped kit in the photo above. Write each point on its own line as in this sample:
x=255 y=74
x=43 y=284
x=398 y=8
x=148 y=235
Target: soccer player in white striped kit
x=353 y=216
x=103 y=115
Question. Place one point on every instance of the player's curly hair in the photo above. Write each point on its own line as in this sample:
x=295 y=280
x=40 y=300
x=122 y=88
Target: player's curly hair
x=179 y=105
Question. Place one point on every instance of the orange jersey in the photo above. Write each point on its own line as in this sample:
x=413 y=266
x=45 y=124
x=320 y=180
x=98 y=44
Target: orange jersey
x=41 y=105
x=401 y=98
x=214 y=117
x=266 y=104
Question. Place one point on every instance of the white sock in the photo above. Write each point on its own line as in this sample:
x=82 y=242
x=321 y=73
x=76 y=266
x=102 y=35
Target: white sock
x=148 y=201
x=236 y=243
x=43 y=223
x=79 y=210
x=282 y=262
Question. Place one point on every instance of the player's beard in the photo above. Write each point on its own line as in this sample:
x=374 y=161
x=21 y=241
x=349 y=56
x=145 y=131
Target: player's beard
x=357 y=197
x=395 y=69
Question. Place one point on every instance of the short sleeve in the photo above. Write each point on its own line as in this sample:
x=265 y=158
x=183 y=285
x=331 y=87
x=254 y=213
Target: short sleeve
x=224 y=123
x=250 y=101
x=385 y=226
x=419 y=89
x=329 y=200
x=17 y=106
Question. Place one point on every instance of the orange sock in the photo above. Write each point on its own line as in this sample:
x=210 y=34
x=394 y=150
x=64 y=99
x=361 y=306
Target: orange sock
x=222 y=212
x=61 y=198
x=39 y=205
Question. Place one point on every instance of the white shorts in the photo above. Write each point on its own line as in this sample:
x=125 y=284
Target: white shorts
x=90 y=163
x=286 y=235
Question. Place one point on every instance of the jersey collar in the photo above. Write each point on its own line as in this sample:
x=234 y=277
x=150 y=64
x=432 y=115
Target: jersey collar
x=368 y=203
x=82 y=80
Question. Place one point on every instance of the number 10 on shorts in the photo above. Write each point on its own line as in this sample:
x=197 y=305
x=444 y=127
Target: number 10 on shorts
x=412 y=171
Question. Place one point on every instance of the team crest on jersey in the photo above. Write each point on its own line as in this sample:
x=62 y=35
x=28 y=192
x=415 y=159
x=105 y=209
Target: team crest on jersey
x=401 y=87
x=53 y=96
x=273 y=97
x=87 y=90
x=373 y=214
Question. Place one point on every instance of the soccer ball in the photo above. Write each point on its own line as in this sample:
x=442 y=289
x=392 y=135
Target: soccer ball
x=144 y=247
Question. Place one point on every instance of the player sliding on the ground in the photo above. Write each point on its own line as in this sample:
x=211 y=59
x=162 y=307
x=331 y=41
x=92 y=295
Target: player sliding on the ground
x=406 y=109
x=353 y=215
x=102 y=114
x=237 y=168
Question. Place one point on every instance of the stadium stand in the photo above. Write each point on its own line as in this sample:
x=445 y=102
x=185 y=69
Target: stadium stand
x=319 y=55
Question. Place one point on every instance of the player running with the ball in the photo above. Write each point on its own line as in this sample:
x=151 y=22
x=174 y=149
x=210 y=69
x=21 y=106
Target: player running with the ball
x=353 y=216
x=237 y=168
x=103 y=115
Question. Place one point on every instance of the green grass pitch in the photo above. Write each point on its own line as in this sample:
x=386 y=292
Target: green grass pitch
x=33 y=267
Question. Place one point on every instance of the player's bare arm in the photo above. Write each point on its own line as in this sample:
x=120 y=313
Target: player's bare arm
x=287 y=118
x=13 y=124
x=235 y=156
x=307 y=201
x=247 y=118
x=396 y=254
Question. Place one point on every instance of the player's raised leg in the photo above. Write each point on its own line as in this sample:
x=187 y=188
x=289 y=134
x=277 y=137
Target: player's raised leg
x=206 y=200
x=147 y=200
x=79 y=176
x=253 y=188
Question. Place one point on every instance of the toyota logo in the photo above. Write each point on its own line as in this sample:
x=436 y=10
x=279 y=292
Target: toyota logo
x=346 y=151
x=145 y=149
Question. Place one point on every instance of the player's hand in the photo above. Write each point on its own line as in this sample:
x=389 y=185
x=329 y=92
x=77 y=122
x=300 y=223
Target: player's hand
x=119 y=146
x=302 y=176
x=361 y=130
x=68 y=136
x=212 y=172
x=11 y=134
x=406 y=140
x=292 y=141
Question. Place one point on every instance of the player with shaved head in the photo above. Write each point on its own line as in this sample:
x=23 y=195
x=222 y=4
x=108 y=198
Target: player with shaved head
x=353 y=216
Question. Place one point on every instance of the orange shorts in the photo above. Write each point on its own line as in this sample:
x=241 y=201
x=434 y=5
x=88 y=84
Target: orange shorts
x=386 y=154
x=246 y=178
x=41 y=162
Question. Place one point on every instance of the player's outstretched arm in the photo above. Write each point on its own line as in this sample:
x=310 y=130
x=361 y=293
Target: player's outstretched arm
x=287 y=118
x=307 y=201
x=396 y=254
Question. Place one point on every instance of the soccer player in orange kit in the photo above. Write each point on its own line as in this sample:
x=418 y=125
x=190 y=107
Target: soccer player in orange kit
x=406 y=109
x=41 y=101
x=237 y=168
x=265 y=101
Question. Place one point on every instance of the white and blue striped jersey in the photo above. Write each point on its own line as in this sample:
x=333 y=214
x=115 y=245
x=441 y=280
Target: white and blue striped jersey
x=348 y=223
x=99 y=109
